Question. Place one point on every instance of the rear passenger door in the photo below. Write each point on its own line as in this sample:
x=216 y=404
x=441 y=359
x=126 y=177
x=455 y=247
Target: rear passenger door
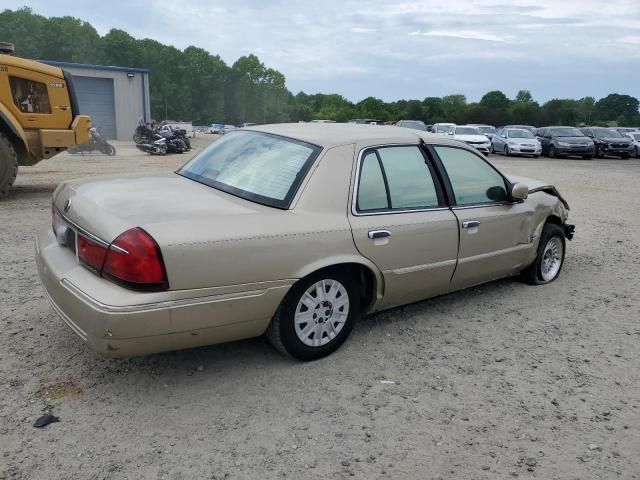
x=400 y=222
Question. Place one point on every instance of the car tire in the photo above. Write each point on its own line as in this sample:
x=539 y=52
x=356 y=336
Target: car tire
x=8 y=165
x=506 y=152
x=552 y=151
x=303 y=325
x=598 y=152
x=549 y=258
x=492 y=149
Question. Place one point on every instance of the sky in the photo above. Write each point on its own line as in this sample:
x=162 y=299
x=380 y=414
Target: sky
x=399 y=49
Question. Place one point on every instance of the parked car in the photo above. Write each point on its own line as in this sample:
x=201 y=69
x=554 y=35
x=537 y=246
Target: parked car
x=472 y=137
x=341 y=220
x=635 y=139
x=488 y=130
x=227 y=128
x=248 y=124
x=515 y=141
x=415 y=124
x=625 y=130
x=442 y=128
x=564 y=141
x=609 y=142
x=368 y=121
x=531 y=128
x=215 y=128
x=322 y=121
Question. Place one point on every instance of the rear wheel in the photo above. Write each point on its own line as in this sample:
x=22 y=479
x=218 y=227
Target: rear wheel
x=550 y=257
x=316 y=316
x=8 y=165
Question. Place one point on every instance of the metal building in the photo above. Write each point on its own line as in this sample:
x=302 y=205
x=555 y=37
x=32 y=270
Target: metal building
x=115 y=97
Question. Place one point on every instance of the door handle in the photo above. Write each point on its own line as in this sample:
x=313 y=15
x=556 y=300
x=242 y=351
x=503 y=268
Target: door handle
x=470 y=224
x=373 y=234
x=64 y=108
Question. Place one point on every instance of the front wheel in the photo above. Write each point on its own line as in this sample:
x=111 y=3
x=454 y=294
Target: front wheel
x=550 y=256
x=506 y=151
x=552 y=151
x=316 y=316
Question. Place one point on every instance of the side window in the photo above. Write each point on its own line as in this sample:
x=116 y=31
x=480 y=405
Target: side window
x=29 y=96
x=408 y=177
x=473 y=180
x=372 y=193
x=395 y=178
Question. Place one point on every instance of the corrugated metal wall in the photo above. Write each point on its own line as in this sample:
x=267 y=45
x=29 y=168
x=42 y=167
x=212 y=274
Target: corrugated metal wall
x=131 y=95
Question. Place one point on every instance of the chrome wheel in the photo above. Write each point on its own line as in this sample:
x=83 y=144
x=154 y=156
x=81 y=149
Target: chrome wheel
x=551 y=259
x=321 y=313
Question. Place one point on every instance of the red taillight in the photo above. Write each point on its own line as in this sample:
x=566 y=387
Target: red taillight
x=134 y=259
x=90 y=252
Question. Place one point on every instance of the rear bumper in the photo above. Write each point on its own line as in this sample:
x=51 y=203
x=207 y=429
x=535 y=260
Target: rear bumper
x=117 y=322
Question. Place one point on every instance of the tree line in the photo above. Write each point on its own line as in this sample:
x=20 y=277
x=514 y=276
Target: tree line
x=192 y=84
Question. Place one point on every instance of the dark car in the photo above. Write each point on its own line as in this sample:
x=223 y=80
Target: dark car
x=564 y=142
x=609 y=141
x=415 y=124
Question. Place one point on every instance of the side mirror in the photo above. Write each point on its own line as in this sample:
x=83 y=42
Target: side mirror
x=519 y=191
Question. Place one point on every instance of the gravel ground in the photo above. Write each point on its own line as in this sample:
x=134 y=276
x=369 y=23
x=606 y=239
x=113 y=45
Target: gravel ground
x=499 y=381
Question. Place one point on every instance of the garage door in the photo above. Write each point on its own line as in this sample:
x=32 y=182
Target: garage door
x=95 y=96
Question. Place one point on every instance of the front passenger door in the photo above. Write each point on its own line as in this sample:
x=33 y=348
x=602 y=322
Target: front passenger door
x=495 y=233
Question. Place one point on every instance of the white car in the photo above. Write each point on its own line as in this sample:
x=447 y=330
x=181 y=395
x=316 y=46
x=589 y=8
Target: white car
x=471 y=136
x=442 y=128
x=635 y=138
x=515 y=141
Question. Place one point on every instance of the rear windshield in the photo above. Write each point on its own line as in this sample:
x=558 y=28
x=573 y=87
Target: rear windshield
x=487 y=129
x=259 y=167
x=412 y=124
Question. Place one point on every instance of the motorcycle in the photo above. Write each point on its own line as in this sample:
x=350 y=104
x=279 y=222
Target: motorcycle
x=165 y=141
x=144 y=132
x=97 y=143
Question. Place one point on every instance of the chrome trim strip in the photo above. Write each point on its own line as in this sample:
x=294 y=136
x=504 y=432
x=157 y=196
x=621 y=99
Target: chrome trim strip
x=354 y=190
x=184 y=302
x=81 y=230
x=483 y=256
x=419 y=268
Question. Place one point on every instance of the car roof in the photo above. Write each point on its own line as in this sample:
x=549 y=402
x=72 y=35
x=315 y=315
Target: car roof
x=328 y=135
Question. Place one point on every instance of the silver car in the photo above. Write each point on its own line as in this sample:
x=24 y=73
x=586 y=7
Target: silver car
x=515 y=141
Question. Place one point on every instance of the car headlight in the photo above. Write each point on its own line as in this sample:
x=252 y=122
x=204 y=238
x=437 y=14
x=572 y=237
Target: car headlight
x=564 y=144
x=513 y=144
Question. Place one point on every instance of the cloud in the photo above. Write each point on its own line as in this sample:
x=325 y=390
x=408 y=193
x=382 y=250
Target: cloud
x=402 y=48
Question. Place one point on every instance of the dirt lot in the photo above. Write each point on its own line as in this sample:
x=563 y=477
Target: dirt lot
x=501 y=381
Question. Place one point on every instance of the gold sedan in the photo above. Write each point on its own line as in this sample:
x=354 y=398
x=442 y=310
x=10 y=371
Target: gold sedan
x=290 y=230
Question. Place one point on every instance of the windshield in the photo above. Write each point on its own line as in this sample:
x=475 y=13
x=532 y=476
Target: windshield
x=517 y=133
x=255 y=166
x=606 y=133
x=467 y=131
x=566 y=132
x=416 y=125
x=487 y=129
